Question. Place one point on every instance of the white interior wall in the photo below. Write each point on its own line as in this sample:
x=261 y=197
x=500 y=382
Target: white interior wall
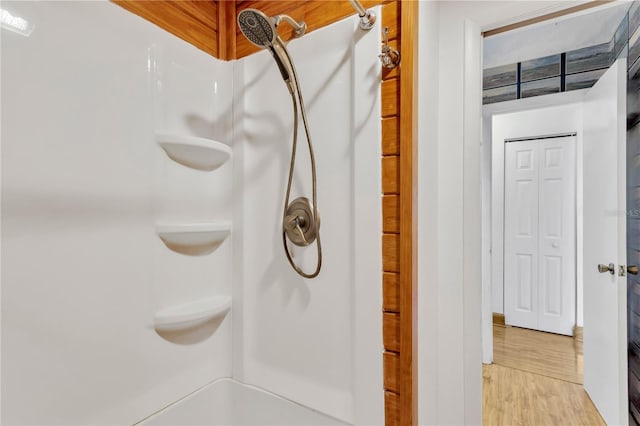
x=312 y=341
x=83 y=185
x=536 y=122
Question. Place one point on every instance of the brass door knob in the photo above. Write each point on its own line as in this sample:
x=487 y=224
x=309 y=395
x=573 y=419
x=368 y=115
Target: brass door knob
x=610 y=268
x=632 y=269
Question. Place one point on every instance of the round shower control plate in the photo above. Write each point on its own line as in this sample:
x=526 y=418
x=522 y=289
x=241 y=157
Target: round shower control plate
x=299 y=223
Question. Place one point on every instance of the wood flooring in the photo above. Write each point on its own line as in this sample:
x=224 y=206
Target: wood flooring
x=547 y=354
x=536 y=380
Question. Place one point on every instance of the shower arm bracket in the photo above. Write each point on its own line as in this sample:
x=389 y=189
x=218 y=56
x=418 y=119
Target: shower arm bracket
x=367 y=16
x=299 y=28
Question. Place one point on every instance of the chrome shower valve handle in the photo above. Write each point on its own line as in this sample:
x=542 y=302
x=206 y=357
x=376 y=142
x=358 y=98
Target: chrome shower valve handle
x=293 y=222
x=299 y=224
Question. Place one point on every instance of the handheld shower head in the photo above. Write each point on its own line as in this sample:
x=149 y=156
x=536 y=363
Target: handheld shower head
x=261 y=31
x=257 y=28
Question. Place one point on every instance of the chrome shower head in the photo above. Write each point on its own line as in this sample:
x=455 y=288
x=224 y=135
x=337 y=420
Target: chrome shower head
x=257 y=28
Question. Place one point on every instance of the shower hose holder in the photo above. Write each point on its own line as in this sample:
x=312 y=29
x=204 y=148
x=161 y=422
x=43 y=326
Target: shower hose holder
x=389 y=57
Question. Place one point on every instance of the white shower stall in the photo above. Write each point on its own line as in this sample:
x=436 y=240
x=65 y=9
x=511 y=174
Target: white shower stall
x=143 y=276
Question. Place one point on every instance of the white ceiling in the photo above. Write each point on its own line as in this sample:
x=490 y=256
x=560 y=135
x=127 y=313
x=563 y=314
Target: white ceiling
x=586 y=28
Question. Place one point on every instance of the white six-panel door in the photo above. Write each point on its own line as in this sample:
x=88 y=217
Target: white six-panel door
x=540 y=234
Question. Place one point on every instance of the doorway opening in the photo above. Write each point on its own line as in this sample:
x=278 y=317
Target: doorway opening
x=551 y=119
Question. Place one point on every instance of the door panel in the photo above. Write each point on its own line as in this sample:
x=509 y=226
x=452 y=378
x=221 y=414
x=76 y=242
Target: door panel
x=552 y=286
x=526 y=200
x=552 y=213
x=524 y=288
x=605 y=297
x=558 y=235
x=521 y=234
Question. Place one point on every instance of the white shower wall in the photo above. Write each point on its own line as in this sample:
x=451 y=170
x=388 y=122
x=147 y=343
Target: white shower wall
x=84 y=184
x=317 y=342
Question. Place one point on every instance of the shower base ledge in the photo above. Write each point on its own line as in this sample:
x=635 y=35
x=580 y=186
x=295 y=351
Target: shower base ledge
x=194 y=239
x=192 y=314
x=196 y=153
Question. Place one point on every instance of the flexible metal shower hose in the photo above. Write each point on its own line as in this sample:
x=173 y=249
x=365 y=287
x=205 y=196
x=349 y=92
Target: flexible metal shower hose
x=316 y=222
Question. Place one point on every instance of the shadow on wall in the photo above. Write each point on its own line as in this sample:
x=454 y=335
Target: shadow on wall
x=206 y=127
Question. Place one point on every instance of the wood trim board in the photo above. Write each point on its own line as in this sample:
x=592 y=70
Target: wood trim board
x=408 y=213
x=498 y=319
x=578 y=333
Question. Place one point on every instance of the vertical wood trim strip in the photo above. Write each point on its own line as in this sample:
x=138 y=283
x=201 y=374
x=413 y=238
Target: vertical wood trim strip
x=223 y=25
x=389 y=101
x=392 y=366
x=227 y=29
x=390 y=174
x=408 y=213
x=390 y=214
x=391 y=331
x=390 y=136
x=391 y=408
x=391 y=19
x=222 y=29
x=390 y=299
x=390 y=252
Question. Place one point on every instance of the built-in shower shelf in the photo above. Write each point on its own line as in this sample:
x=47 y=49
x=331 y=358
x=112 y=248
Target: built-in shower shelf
x=197 y=153
x=194 y=239
x=192 y=314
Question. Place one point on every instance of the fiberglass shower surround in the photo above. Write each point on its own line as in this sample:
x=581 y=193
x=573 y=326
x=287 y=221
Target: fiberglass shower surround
x=124 y=155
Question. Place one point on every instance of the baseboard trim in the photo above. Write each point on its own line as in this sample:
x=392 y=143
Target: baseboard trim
x=578 y=333
x=498 y=319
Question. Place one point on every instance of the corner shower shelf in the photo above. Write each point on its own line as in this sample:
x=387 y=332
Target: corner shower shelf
x=192 y=314
x=197 y=153
x=195 y=238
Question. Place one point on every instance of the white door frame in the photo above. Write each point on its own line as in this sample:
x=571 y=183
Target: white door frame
x=528 y=127
x=567 y=104
x=449 y=225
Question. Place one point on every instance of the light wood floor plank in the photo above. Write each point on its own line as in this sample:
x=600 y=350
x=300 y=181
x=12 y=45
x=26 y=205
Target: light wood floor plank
x=536 y=380
x=515 y=397
x=548 y=354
